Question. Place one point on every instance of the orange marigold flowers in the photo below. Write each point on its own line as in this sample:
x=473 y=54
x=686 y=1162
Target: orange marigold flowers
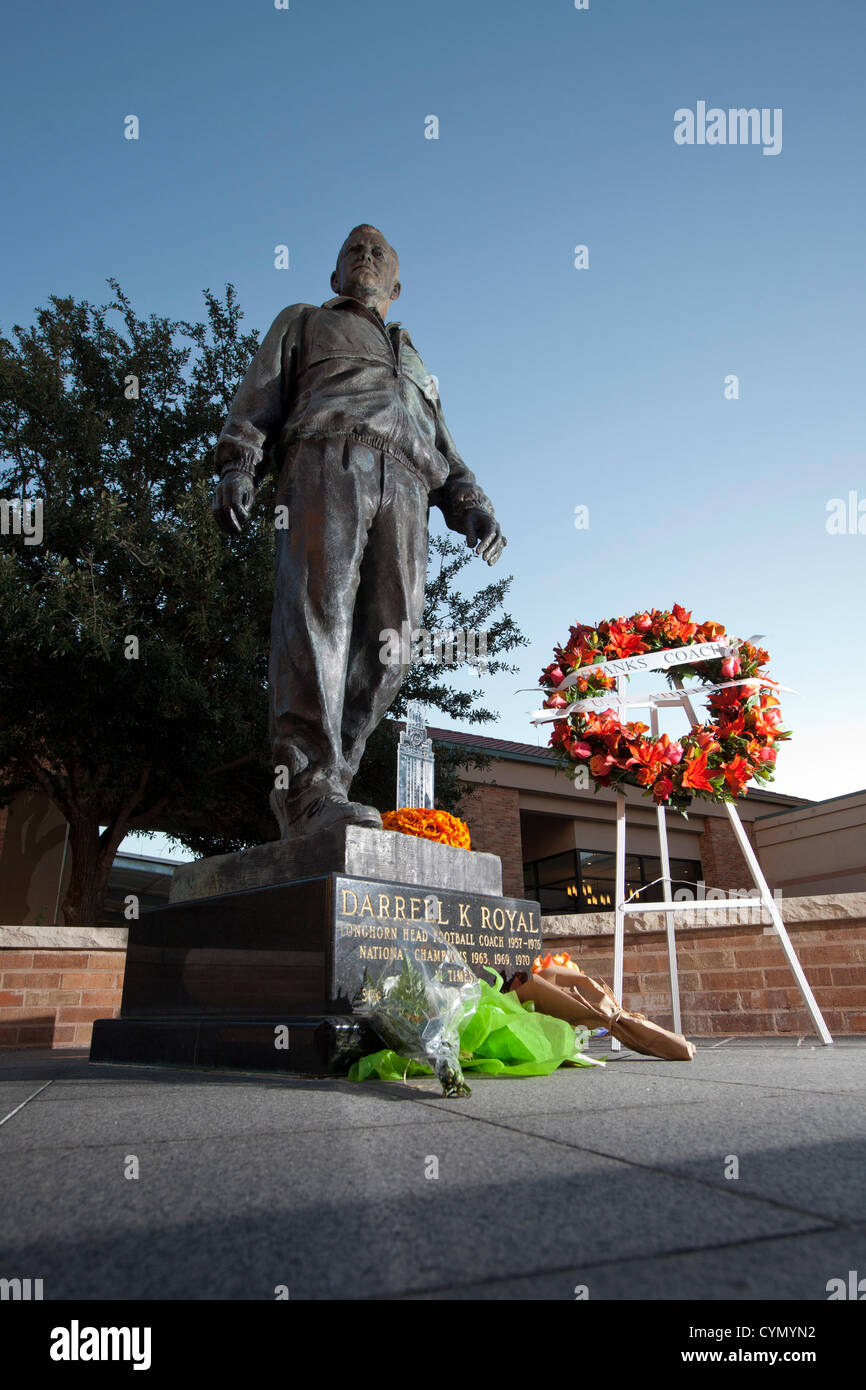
x=737 y=743
x=429 y=825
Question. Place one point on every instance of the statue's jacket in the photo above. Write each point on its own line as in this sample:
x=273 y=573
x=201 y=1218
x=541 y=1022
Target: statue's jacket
x=338 y=370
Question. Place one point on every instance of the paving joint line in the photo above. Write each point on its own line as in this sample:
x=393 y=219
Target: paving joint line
x=27 y=1101
x=613 y=1261
x=832 y=1221
x=757 y=1085
x=70 y=1148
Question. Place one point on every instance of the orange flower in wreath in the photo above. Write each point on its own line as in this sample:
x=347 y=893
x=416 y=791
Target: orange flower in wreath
x=695 y=773
x=622 y=642
x=737 y=773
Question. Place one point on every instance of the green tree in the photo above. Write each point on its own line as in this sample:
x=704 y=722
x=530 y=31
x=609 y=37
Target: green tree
x=131 y=649
x=135 y=636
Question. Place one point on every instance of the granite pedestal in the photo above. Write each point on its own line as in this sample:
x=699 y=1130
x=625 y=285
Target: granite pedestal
x=259 y=957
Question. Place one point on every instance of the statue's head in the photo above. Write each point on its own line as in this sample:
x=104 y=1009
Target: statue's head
x=367 y=269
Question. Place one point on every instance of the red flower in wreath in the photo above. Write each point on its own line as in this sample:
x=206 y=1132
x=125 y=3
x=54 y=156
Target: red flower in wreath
x=663 y=789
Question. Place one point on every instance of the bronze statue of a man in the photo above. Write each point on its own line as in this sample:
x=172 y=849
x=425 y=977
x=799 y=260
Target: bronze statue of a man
x=344 y=406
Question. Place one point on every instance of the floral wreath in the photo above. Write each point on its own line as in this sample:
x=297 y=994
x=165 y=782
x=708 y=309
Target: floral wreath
x=714 y=760
x=429 y=825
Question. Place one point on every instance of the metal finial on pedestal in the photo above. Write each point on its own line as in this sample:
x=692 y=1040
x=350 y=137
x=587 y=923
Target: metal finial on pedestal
x=415 y=762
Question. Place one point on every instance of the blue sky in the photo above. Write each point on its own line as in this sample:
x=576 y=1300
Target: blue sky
x=601 y=387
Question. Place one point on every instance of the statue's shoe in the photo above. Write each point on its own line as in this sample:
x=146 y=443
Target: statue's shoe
x=316 y=809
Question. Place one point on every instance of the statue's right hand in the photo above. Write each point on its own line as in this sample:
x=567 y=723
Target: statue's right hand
x=232 y=501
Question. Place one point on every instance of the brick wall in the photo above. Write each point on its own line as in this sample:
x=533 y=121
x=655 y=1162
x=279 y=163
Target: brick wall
x=493 y=817
x=51 y=997
x=722 y=862
x=736 y=980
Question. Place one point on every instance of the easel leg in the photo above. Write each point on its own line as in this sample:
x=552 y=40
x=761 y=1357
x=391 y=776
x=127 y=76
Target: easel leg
x=664 y=858
x=781 y=931
x=669 y=919
x=619 y=917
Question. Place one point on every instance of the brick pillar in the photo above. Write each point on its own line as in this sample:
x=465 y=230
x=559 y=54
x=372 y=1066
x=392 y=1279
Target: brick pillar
x=721 y=857
x=493 y=817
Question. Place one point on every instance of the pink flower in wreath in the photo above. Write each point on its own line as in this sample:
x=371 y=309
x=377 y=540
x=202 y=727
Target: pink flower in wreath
x=767 y=755
x=600 y=763
x=670 y=753
x=731 y=667
x=580 y=749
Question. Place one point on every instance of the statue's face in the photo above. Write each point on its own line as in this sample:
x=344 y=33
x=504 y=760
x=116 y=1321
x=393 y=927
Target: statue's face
x=367 y=270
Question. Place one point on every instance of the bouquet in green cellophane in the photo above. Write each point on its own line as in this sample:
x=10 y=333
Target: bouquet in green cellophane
x=506 y=1038
x=416 y=1002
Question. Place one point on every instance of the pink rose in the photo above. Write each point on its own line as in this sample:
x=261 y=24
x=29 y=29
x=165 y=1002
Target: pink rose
x=643 y=623
x=555 y=702
x=767 y=755
x=555 y=675
x=731 y=667
x=581 y=750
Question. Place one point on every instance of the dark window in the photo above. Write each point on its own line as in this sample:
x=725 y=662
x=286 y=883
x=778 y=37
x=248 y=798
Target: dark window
x=584 y=880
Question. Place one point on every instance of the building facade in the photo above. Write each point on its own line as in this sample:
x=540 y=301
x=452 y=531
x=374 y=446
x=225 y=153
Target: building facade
x=557 y=843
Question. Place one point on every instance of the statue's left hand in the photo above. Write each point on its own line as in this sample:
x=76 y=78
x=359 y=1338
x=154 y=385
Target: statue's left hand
x=232 y=501
x=484 y=535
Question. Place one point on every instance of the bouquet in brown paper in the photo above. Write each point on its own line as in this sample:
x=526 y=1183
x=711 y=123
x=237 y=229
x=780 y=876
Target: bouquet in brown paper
x=559 y=988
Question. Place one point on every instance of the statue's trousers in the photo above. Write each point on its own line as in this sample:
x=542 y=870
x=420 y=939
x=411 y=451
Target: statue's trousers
x=349 y=564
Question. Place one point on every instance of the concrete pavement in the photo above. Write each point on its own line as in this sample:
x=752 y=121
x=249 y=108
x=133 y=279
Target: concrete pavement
x=610 y=1179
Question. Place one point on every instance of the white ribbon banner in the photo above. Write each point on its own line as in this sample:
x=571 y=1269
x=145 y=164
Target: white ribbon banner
x=668 y=659
x=658 y=700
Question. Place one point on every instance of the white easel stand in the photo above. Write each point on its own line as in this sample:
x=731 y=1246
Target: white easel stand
x=668 y=907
